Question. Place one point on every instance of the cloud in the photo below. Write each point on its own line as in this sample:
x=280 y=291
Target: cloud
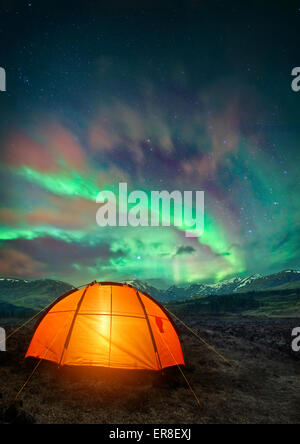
x=17 y=263
x=22 y=150
x=60 y=212
x=221 y=134
x=48 y=256
x=64 y=145
x=8 y=217
x=121 y=126
x=185 y=250
x=49 y=148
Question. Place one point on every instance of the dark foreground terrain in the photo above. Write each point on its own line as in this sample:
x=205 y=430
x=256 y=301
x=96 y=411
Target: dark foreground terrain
x=267 y=390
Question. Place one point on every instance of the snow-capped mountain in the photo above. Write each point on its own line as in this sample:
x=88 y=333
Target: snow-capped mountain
x=13 y=280
x=247 y=281
x=143 y=286
x=283 y=280
x=225 y=287
x=279 y=281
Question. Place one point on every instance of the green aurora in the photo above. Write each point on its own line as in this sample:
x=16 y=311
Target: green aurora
x=189 y=108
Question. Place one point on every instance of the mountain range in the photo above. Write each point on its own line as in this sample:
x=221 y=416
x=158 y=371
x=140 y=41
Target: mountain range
x=287 y=279
x=37 y=294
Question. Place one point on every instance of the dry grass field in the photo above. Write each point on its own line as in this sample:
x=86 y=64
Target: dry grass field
x=266 y=390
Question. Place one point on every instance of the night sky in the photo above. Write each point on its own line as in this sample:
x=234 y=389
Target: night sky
x=191 y=95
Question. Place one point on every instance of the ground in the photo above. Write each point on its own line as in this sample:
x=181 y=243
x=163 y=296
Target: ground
x=266 y=389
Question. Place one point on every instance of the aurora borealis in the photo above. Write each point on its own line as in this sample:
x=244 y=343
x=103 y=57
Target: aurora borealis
x=189 y=96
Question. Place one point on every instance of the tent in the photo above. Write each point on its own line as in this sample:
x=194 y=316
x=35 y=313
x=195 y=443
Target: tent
x=107 y=324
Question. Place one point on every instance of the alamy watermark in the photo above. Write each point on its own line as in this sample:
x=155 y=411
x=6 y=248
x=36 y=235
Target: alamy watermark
x=161 y=208
x=2 y=79
x=296 y=340
x=2 y=340
x=296 y=80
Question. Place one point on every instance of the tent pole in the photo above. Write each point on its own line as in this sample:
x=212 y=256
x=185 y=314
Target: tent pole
x=68 y=338
x=150 y=329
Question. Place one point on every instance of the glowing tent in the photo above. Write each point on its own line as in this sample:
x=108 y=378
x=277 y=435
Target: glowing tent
x=107 y=325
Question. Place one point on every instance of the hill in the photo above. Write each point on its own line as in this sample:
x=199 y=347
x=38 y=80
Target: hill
x=31 y=294
x=279 y=303
x=12 y=311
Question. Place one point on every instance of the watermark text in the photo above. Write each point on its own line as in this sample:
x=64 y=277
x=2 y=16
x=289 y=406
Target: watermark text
x=2 y=79
x=296 y=80
x=2 y=340
x=161 y=208
x=296 y=340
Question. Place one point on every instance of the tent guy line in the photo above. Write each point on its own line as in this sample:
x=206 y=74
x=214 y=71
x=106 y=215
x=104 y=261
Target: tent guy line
x=210 y=347
x=34 y=370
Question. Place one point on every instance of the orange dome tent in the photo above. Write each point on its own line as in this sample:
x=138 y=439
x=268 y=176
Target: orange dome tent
x=107 y=325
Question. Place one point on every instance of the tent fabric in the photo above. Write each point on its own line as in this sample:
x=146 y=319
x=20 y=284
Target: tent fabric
x=107 y=325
